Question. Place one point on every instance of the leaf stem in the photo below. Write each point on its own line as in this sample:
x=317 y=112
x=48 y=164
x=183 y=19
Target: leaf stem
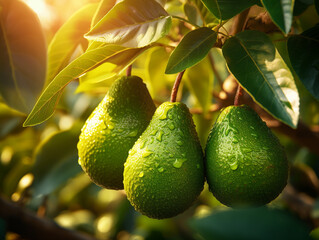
x=176 y=86
x=185 y=20
x=239 y=93
x=129 y=70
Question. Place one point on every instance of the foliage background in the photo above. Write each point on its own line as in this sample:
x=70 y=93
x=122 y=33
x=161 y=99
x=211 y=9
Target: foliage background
x=38 y=165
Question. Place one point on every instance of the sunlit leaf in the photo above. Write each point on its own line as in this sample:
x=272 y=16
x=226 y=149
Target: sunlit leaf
x=251 y=224
x=67 y=39
x=10 y=120
x=303 y=52
x=132 y=23
x=156 y=61
x=104 y=7
x=199 y=80
x=226 y=9
x=257 y=65
x=192 y=49
x=22 y=55
x=44 y=108
x=109 y=71
x=56 y=160
x=201 y=15
x=281 y=12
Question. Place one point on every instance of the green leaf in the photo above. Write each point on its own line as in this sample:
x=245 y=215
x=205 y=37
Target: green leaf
x=251 y=224
x=23 y=55
x=281 y=12
x=192 y=49
x=45 y=105
x=259 y=68
x=301 y=5
x=104 y=7
x=303 y=52
x=67 y=39
x=198 y=14
x=109 y=71
x=226 y=9
x=132 y=23
x=199 y=80
x=56 y=160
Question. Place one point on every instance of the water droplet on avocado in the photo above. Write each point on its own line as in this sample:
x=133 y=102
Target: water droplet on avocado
x=234 y=165
x=254 y=135
x=133 y=133
x=159 y=136
x=171 y=126
x=171 y=155
x=110 y=125
x=179 y=162
x=146 y=153
x=161 y=169
x=156 y=164
x=153 y=132
x=141 y=174
x=246 y=150
x=142 y=145
x=179 y=142
x=198 y=166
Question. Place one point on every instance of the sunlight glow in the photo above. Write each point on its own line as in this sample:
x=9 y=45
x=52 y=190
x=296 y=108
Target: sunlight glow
x=43 y=10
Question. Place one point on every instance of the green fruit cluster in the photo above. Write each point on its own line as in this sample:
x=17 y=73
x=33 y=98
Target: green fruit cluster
x=157 y=157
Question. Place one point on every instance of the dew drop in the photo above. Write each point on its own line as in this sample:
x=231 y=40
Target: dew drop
x=151 y=140
x=120 y=130
x=153 y=132
x=234 y=165
x=161 y=169
x=141 y=174
x=171 y=126
x=179 y=162
x=246 y=150
x=171 y=155
x=133 y=133
x=252 y=127
x=235 y=140
x=142 y=145
x=254 y=135
x=110 y=125
x=227 y=131
x=146 y=153
x=179 y=142
x=198 y=166
x=156 y=164
x=159 y=136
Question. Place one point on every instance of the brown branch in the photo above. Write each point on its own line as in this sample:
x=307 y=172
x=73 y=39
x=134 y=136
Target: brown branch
x=238 y=95
x=129 y=71
x=262 y=22
x=176 y=86
x=239 y=22
x=29 y=226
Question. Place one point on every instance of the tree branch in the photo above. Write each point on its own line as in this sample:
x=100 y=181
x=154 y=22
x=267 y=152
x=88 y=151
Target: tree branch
x=29 y=226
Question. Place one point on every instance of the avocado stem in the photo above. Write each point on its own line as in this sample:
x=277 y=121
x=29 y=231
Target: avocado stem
x=129 y=71
x=176 y=86
x=239 y=93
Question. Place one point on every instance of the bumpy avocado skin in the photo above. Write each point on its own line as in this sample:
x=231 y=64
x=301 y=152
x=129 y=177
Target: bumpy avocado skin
x=245 y=163
x=112 y=129
x=164 y=172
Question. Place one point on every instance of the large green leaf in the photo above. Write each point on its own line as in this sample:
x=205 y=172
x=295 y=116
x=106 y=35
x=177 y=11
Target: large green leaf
x=281 y=12
x=132 y=23
x=192 y=49
x=257 y=65
x=226 y=9
x=303 y=52
x=109 y=71
x=22 y=55
x=56 y=160
x=68 y=39
x=45 y=105
x=251 y=224
x=104 y=7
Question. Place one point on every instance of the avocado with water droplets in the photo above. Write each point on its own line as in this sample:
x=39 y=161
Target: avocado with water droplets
x=245 y=163
x=164 y=172
x=112 y=129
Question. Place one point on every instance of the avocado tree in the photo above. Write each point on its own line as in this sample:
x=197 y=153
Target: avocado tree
x=191 y=59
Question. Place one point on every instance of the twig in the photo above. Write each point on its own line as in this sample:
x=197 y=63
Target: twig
x=239 y=22
x=239 y=93
x=29 y=226
x=176 y=86
x=129 y=71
